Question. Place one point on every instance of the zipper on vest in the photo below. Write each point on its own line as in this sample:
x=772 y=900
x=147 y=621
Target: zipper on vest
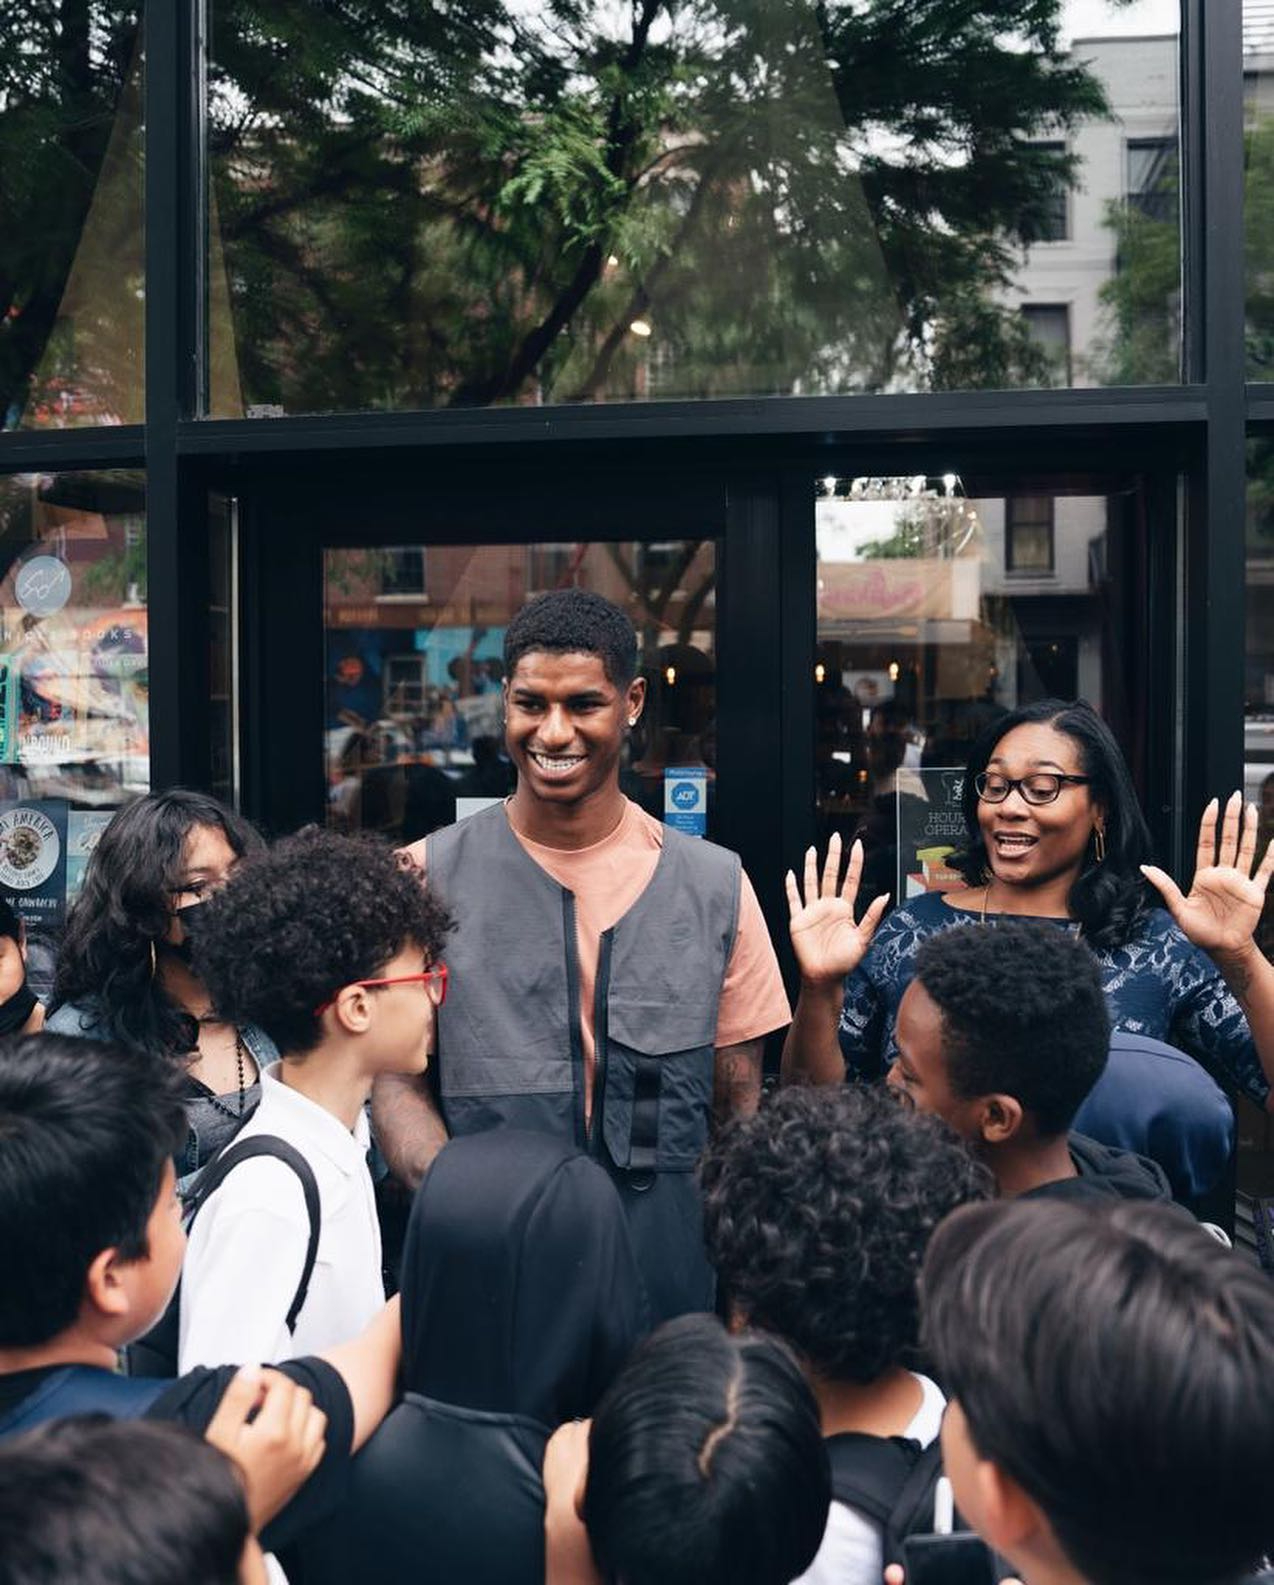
x=570 y=944
x=601 y=1035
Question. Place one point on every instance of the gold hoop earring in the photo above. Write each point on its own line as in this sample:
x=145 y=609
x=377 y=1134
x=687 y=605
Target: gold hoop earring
x=1099 y=844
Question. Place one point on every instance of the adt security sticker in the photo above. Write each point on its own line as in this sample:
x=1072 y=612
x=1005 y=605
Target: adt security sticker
x=686 y=799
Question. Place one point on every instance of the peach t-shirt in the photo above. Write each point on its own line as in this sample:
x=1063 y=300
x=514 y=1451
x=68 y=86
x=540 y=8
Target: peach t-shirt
x=607 y=879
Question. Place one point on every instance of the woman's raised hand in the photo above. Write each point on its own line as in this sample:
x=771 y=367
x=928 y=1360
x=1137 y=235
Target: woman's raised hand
x=1223 y=907
x=827 y=941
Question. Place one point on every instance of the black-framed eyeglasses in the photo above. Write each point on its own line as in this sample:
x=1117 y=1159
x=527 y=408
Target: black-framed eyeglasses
x=1040 y=787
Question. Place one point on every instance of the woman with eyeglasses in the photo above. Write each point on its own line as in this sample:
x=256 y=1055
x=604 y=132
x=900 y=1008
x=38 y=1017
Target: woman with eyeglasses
x=1054 y=833
x=125 y=970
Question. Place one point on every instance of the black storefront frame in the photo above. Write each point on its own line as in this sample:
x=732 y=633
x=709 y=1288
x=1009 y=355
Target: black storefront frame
x=762 y=448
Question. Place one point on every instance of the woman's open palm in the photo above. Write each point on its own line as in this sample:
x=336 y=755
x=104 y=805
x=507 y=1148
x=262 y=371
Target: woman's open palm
x=827 y=941
x=1223 y=906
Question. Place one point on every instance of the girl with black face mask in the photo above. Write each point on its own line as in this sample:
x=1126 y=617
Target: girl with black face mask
x=20 y=1013
x=125 y=971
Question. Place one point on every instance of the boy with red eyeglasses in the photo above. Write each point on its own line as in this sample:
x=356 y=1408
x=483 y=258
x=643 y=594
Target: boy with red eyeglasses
x=330 y=947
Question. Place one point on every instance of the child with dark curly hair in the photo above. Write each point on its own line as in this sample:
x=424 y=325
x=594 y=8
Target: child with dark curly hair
x=817 y=1214
x=327 y=944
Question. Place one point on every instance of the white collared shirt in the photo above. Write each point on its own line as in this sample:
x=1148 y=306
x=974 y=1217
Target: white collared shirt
x=247 y=1246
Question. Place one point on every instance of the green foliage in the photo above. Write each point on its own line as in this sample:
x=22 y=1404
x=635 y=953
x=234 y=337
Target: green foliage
x=908 y=542
x=1258 y=220
x=453 y=206
x=110 y=580
x=420 y=204
x=1142 y=338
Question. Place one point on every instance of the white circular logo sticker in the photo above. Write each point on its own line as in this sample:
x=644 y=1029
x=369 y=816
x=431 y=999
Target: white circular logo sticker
x=43 y=585
x=29 y=849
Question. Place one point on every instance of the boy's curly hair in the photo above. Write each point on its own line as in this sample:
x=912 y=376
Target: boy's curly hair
x=293 y=925
x=817 y=1213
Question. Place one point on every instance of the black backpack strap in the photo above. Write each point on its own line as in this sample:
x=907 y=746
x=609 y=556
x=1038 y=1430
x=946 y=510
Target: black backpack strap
x=890 y=1480
x=913 y=1509
x=218 y=1170
x=870 y=1473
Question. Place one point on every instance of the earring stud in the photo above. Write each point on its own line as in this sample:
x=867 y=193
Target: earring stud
x=632 y=720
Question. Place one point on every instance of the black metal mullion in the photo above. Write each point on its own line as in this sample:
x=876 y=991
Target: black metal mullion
x=1215 y=572
x=798 y=614
x=752 y=683
x=176 y=535
x=62 y=450
x=815 y=418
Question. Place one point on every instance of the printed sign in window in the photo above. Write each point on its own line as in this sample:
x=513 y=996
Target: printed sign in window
x=686 y=799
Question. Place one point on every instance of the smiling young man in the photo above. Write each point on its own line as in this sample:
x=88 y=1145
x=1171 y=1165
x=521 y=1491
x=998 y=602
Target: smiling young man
x=614 y=980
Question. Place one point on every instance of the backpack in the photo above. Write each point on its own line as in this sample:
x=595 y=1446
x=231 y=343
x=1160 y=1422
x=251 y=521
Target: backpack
x=81 y=1389
x=155 y=1354
x=889 y=1480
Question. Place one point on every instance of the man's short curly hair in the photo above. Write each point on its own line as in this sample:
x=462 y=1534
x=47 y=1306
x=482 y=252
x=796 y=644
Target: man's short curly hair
x=817 y=1213
x=295 y=924
x=1023 y=1013
x=571 y=622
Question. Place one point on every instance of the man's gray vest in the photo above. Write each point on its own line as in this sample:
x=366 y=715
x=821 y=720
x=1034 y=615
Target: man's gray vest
x=510 y=1049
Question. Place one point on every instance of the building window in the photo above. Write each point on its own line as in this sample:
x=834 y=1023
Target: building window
x=1028 y=535
x=1049 y=325
x=403 y=573
x=1054 y=223
x=553 y=566
x=1152 y=177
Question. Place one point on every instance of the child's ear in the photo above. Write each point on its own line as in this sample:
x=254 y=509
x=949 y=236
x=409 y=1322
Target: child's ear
x=104 y=1288
x=1000 y=1119
x=1008 y=1520
x=352 y=1010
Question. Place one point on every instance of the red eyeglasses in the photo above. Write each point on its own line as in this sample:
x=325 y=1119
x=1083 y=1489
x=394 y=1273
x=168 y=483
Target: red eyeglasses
x=434 y=979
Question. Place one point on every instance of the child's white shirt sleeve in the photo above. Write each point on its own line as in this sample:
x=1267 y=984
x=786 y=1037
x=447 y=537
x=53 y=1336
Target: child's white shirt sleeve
x=242 y=1268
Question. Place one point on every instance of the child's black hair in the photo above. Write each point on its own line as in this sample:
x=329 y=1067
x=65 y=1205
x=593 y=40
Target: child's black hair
x=85 y=1133
x=1118 y=1364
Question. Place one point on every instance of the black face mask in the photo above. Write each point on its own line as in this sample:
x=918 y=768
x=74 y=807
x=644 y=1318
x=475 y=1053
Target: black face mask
x=15 y=1012
x=190 y=918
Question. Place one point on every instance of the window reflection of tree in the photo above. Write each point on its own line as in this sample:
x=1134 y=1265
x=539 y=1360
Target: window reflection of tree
x=492 y=202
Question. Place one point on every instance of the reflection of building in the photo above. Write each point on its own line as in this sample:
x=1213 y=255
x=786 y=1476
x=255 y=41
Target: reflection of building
x=1129 y=158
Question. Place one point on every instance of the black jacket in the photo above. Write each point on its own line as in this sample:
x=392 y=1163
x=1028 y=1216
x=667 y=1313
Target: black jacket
x=520 y=1301
x=1105 y=1174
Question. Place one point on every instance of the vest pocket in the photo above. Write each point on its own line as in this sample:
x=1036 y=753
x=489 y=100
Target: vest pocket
x=657 y=1094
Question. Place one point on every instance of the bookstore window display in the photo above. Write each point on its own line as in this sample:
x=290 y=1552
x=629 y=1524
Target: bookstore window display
x=74 y=683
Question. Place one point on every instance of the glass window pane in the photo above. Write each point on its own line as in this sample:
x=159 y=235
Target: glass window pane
x=74 y=685
x=1256 y=1128
x=71 y=240
x=939 y=611
x=442 y=207
x=413 y=677
x=1258 y=99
